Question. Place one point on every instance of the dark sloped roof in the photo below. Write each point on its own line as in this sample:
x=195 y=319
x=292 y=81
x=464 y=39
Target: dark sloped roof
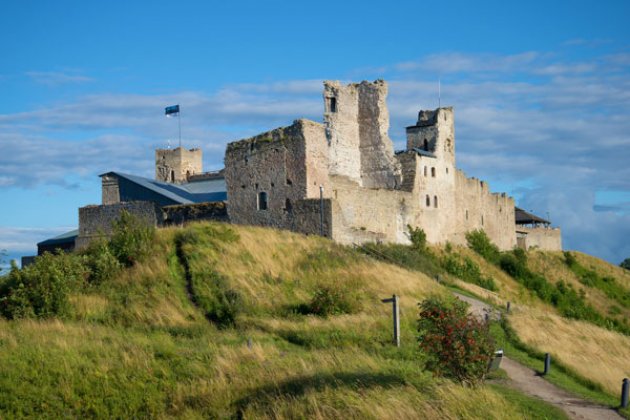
x=525 y=218
x=199 y=191
x=61 y=239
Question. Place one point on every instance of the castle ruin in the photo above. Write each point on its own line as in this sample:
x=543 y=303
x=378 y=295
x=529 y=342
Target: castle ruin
x=343 y=178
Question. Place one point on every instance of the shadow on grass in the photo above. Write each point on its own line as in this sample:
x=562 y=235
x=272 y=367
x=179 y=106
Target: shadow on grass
x=297 y=386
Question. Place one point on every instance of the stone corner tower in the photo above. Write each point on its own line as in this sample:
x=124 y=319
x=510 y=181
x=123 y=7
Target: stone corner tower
x=177 y=165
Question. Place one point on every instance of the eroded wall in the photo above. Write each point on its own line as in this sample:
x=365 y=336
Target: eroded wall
x=286 y=165
x=357 y=125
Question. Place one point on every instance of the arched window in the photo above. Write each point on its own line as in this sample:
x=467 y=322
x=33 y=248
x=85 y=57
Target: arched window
x=466 y=214
x=426 y=145
x=262 y=200
x=172 y=176
x=428 y=200
x=433 y=172
x=435 y=201
x=482 y=220
x=425 y=171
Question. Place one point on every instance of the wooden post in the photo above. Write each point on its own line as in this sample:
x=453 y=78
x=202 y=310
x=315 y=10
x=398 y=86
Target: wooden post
x=625 y=385
x=508 y=307
x=396 y=315
x=547 y=363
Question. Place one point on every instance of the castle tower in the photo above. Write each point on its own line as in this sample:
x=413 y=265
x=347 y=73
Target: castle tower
x=176 y=165
x=357 y=122
x=434 y=133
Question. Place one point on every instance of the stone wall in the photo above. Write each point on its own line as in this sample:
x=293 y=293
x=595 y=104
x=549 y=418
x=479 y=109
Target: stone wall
x=95 y=221
x=434 y=132
x=267 y=175
x=357 y=125
x=546 y=239
x=176 y=165
x=180 y=214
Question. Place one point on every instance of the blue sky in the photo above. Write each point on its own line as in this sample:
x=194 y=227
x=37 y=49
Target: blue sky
x=541 y=92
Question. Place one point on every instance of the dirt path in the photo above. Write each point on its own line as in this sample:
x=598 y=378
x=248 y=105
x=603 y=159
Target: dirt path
x=530 y=383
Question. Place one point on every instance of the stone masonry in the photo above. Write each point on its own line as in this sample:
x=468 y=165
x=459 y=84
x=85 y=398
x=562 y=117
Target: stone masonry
x=368 y=192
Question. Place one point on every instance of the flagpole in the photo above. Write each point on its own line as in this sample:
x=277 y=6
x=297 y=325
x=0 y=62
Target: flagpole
x=179 y=123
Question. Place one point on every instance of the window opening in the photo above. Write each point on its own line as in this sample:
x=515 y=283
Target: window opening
x=425 y=171
x=172 y=176
x=428 y=200
x=287 y=205
x=332 y=104
x=262 y=200
x=435 y=201
x=433 y=172
x=426 y=145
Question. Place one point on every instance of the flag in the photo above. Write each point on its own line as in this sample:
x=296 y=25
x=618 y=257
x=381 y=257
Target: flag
x=171 y=110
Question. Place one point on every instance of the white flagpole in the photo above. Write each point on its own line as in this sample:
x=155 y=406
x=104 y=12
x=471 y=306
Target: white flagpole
x=439 y=93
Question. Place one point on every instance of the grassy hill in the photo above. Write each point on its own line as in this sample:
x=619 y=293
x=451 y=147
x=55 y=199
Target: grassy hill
x=221 y=321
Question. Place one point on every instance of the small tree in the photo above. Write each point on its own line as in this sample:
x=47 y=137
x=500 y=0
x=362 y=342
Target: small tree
x=625 y=264
x=458 y=345
x=132 y=239
x=418 y=238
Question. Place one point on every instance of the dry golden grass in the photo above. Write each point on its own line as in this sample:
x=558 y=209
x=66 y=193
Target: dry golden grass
x=552 y=265
x=593 y=352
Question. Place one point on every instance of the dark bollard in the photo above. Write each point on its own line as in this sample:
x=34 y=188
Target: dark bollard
x=547 y=363
x=508 y=307
x=624 y=392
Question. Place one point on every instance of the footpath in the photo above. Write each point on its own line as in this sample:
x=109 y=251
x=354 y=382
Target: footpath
x=530 y=383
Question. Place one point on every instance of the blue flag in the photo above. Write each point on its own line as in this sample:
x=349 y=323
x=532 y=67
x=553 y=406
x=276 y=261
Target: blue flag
x=171 y=110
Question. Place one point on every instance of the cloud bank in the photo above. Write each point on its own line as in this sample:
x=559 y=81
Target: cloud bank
x=552 y=130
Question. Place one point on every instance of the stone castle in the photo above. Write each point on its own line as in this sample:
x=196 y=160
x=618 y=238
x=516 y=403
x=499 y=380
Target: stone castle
x=344 y=178
x=341 y=179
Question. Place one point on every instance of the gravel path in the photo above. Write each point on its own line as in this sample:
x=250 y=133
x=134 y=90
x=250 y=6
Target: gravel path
x=530 y=383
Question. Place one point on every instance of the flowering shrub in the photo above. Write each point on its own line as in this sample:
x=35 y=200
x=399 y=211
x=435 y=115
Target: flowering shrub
x=458 y=345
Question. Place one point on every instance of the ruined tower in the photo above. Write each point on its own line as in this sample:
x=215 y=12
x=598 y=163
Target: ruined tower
x=176 y=165
x=434 y=133
x=357 y=122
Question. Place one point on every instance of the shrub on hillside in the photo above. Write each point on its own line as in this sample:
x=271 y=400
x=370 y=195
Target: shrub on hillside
x=468 y=271
x=101 y=262
x=41 y=290
x=131 y=240
x=458 y=344
x=418 y=238
x=213 y=295
x=479 y=242
x=334 y=299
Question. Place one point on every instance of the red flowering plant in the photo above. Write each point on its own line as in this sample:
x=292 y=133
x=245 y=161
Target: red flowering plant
x=458 y=345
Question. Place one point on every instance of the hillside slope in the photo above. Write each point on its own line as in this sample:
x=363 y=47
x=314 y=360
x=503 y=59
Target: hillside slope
x=217 y=323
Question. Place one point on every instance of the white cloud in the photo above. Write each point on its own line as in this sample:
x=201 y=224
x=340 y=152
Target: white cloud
x=53 y=78
x=23 y=239
x=533 y=118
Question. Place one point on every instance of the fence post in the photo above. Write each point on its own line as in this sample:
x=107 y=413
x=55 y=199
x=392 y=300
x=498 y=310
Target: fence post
x=547 y=363
x=624 y=392
x=508 y=307
x=396 y=316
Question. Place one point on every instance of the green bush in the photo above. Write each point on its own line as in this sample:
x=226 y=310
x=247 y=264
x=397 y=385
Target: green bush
x=458 y=344
x=334 y=299
x=132 y=239
x=41 y=290
x=479 y=242
x=418 y=238
x=468 y=271
x=101 y=262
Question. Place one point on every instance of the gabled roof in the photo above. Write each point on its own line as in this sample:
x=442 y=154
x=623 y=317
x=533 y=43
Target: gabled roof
x=525 y=218
x=199 y=191
x=60 y=239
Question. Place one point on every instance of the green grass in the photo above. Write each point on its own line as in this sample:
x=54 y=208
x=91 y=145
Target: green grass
x=529 y=407
x=144 y=343
x=559 y=374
